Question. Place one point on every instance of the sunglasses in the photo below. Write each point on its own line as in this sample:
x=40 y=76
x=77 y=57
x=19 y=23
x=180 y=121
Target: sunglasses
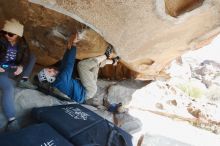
x=9 y=33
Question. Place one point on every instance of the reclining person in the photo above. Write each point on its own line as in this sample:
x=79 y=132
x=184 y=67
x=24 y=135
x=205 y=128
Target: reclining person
x=61 y=78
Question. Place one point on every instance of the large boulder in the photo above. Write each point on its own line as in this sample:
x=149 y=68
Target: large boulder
x=143 y=34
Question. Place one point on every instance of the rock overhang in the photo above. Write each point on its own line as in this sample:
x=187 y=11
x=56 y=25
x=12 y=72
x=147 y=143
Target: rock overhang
x=143 y=34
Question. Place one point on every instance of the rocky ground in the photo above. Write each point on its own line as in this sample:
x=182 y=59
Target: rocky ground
x=191 y=96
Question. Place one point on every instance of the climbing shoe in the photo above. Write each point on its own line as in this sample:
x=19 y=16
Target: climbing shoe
x=109 y=51
x=12 y=125
x=115 y=60
x=113 y=108
x=26 y=84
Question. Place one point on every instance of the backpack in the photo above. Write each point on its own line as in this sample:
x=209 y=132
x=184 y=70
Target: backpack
x=48 y=89
x=82 y=127
x=34 y=135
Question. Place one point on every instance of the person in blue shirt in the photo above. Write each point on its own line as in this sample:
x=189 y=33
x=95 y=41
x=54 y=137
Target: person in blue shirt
x=61 y=78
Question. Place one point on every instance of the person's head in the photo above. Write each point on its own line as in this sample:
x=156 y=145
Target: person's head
x=12 y=30
x=48 y=75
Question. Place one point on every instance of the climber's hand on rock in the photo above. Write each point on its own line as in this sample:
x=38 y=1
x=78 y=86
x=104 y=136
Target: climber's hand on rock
x=73 y=40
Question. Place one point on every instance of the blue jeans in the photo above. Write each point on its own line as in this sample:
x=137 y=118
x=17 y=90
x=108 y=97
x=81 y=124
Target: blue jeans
x=7 y=87
x=29 y=67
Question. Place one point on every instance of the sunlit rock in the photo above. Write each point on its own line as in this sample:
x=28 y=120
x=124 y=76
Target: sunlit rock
x=144 y=35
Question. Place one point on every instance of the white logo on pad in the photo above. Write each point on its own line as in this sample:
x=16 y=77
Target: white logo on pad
x=76 y=113
x=49 y=143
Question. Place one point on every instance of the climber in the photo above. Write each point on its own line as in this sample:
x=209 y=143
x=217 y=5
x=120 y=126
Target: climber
x=78 y=90
x=16 y=62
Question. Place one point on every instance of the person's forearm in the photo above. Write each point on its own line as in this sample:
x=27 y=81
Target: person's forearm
x=70 y=56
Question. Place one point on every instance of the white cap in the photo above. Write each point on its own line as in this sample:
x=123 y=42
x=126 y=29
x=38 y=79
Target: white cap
x=14 y=26
x=43 y=76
